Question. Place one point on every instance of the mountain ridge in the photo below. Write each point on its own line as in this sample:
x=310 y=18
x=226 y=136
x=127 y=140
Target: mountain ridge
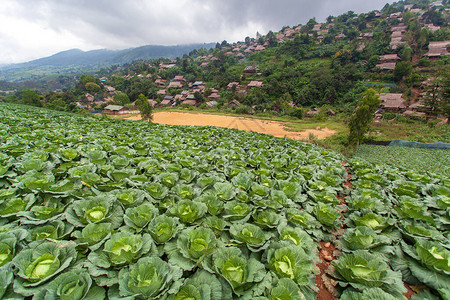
x=79 y=59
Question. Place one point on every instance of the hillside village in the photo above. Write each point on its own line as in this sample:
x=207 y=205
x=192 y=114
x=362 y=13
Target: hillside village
x=399 y=50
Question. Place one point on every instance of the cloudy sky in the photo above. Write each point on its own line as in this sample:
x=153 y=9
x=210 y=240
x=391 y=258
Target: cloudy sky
x=31 y=29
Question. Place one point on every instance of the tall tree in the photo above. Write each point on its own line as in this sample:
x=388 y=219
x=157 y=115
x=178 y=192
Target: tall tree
x=144 y=107
x=363 y=116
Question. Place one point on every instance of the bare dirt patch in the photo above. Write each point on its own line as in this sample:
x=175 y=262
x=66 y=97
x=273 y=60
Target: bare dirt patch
x=262 y=126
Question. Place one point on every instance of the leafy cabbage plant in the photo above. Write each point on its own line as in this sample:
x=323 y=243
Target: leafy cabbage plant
x=150 y=278
x=203 y=285
x=192 y=247
x=163 y=228
x=361 y=238
x=140 y=216
x=242 y=273
x=289 y=261
x=188 y=211
x=99 y=209
x=121 y=249
x=363 y=270
x=40 y=262
x=72 y=285
x=251 y=235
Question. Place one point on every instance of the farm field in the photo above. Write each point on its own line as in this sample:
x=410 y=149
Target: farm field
x=274 y=128
x=416 y=159
x=95 y=208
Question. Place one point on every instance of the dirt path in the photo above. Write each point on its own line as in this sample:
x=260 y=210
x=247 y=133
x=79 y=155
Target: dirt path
x=262 y=126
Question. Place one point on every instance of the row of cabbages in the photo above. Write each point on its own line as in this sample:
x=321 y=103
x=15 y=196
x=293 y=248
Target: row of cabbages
x=397 y=231
x=123 y=209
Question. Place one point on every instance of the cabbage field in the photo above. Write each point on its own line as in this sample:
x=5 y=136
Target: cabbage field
x=94 y=208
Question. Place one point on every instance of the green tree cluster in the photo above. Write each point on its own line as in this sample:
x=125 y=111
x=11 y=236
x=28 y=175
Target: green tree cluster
x=362 y=117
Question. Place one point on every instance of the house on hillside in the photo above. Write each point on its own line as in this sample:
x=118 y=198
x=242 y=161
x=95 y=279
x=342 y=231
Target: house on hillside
x=189 y=102
x=393 y=102
x=110 y=90
x=254 y=84
x=179 y=78
x=251 y=70
x=438 y=49
x=160 y=82
x=175 y=84
x=116 y=110
x=214 y=96
x=211 y=104
x=233 y=103
x=236 y=86
x=161 y=92
x=88 y=98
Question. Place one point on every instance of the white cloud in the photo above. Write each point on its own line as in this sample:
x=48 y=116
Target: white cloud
x=33 y=29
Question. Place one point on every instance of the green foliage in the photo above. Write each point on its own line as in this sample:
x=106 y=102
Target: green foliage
x=363 y=116
x=145 y=108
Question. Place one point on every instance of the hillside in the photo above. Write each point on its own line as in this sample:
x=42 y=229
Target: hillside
x=78 y=61
x=313 y=69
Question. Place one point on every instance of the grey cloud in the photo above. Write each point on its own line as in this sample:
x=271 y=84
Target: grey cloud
x=129 y=23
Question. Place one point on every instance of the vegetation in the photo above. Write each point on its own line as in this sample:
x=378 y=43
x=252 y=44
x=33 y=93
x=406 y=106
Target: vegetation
x=363 y=116
x=416 y=159
x=96 y=207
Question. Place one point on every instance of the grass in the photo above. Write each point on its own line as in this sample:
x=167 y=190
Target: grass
x=381 y=130
x=417 y=159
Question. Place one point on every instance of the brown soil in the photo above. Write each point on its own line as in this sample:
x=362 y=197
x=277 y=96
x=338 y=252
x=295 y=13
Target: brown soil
x=262 y=126
x=323 y=285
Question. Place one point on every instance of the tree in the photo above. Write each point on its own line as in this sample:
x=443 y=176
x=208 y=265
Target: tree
x=30 y=97
x=121 y=99
x=402 y=69
x=144 y=107
x=363 y=116
x=444 y=106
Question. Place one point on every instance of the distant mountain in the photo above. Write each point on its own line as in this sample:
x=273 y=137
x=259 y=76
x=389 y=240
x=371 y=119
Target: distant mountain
x=76 y=59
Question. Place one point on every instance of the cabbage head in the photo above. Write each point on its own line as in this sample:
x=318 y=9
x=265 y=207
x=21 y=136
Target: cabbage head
x=196 y=243
x=239 y=271
x=163 y=228
x=363 y=270
x=40 y=262
x=72 y=285
x=201 y=285
x=100 y=209
x=251 y=235
x=138 y=217
x=150 y=278
x=188 y=211
x=289 y=261
x=123 y=248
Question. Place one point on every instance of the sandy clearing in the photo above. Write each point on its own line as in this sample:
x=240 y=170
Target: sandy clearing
x=262 y=126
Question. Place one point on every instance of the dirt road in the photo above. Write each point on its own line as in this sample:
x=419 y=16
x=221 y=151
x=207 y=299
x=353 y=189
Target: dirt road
x=262 y=126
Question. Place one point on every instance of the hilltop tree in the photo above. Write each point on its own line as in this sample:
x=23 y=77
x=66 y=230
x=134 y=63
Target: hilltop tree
x=363 y=116
x=144 y=107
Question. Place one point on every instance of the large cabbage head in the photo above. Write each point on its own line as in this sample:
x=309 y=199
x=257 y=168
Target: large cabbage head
x=189 y=211
x=72 y=285
x=163 y=228
x=237 y=269
x=40 y=262
x=289 y=261
x=99 y=209
x=149 y=278
x=196 y=243
x=124 y=248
